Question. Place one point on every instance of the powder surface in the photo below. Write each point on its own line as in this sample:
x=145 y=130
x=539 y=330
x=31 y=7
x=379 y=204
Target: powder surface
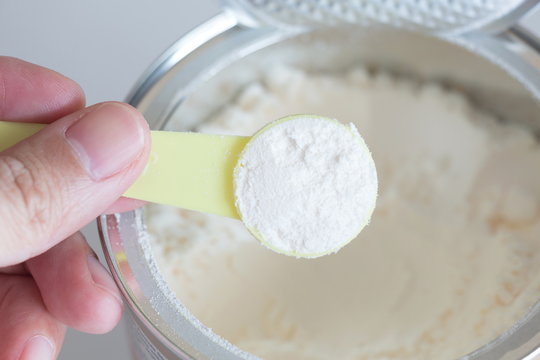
x=306 y=186
x=450 y=259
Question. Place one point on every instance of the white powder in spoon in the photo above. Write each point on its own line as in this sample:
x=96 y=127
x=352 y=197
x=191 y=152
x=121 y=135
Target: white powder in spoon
x=306 y=185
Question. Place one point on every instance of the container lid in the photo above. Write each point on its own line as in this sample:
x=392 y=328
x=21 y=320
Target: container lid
x=435 y=16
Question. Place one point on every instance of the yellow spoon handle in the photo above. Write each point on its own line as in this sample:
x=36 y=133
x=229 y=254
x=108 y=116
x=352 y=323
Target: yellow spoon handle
x=192 y=171
x=188 y=170
x=11 y=132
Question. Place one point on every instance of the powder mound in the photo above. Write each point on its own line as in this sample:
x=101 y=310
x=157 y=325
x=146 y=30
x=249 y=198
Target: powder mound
x=305 y=185
x=449 y=261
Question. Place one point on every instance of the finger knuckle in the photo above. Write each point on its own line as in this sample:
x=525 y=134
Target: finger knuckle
x=29 y=199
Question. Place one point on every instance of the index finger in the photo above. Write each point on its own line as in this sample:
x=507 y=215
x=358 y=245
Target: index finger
x=31 y=93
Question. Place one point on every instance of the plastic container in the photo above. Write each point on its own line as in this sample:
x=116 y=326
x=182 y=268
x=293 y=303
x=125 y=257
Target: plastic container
x=205 y=69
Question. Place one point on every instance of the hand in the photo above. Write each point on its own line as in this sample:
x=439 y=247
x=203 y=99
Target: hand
x=51 y=185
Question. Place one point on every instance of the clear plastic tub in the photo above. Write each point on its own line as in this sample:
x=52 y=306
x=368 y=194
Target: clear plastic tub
x=208 y=66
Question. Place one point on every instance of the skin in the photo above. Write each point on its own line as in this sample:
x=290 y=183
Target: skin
x=49 y=277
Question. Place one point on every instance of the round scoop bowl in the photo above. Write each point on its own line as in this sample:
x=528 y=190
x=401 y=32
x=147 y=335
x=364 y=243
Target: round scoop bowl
x=305 y=185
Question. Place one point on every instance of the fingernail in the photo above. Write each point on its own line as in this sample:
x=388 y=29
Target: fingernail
x=38 y=348
x=107 y=140
x=102 y=278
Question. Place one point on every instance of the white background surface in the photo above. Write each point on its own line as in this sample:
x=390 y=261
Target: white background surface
x=104 y=45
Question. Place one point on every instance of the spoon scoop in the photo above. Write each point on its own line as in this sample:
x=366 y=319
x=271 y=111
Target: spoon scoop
x=303 y=185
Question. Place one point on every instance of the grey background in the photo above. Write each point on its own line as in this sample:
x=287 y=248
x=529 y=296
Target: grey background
x=104 y=45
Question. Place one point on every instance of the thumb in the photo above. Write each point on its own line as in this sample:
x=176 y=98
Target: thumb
x=56 y=181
